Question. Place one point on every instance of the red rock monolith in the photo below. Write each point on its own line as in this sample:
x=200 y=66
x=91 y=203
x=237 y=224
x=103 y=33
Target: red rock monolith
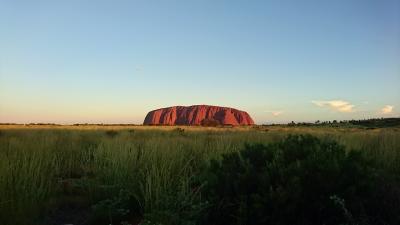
x=197 y=115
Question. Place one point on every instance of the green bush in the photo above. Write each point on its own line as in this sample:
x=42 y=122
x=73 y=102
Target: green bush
x=301 y=180
x=111 y=133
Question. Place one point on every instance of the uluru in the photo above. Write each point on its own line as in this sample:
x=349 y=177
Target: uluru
x=198 y=115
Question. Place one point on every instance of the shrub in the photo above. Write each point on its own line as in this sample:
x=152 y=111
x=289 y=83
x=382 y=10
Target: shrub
x=113 y=210
x=210 y=123
x=111 y=133
x=179 y=130
x=301 y=180
x=131 y=131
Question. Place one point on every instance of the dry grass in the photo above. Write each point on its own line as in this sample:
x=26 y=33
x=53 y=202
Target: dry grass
x=40 y=166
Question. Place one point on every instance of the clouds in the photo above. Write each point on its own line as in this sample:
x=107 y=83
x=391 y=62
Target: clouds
x=347 y=107
x=275 y=113
x=342 y=109
x=336 y=105
x=387 y=109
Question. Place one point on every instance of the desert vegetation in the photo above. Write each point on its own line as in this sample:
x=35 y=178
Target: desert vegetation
x=195 y=175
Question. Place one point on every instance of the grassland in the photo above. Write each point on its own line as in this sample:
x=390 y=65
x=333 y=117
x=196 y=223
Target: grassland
x=109 y=174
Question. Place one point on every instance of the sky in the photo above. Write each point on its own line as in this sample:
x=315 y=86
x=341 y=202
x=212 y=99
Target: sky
x=80 y=61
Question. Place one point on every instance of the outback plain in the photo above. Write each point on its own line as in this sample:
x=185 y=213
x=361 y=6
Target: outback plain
x=123 y=174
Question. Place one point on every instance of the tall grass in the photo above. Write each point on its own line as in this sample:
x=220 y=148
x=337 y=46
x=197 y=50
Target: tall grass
x=153 y=168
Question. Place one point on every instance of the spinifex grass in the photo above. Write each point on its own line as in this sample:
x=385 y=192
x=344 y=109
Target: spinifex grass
x=153 y=167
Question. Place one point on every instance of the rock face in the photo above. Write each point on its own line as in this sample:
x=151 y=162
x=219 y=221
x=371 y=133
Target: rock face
x=197 y=115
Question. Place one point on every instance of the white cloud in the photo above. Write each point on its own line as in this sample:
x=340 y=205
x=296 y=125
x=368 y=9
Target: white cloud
x=337 y=105
x=388 y=109
x=275 y=113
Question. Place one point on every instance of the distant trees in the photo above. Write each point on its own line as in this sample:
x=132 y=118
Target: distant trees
x=377 y=122
x=368 y=123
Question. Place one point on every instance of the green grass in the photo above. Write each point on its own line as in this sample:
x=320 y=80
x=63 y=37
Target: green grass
x=135 y=173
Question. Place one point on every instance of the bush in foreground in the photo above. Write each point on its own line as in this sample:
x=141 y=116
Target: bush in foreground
x=301 y=180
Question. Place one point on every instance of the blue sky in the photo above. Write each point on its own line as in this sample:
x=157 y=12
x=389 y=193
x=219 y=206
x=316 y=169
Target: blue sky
x=113 y=61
